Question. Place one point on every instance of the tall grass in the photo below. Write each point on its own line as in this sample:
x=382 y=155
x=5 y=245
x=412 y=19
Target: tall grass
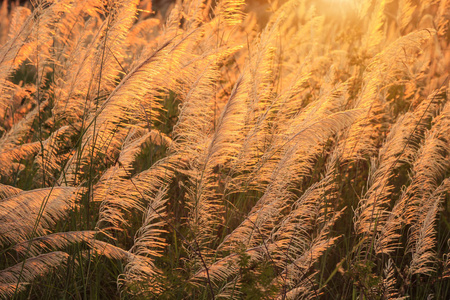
x=222 y=152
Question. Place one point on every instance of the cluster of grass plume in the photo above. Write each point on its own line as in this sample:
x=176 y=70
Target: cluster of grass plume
x=223 y=152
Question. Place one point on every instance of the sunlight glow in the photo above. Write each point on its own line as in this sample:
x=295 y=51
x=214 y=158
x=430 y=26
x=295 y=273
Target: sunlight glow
x=340 y=8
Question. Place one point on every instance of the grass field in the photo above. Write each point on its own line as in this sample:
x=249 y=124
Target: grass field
x=225 y=149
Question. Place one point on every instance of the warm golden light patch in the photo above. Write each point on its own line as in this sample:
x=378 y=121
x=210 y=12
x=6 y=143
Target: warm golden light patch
x=340 y=8
x=341 y=4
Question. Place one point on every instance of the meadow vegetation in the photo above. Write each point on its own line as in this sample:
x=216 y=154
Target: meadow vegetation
x=225 y=150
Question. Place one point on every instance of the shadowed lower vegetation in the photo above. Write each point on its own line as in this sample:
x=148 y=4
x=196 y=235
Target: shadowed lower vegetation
x=225 y=150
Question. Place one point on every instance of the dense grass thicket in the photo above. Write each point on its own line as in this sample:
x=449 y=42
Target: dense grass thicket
x=225 y=150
